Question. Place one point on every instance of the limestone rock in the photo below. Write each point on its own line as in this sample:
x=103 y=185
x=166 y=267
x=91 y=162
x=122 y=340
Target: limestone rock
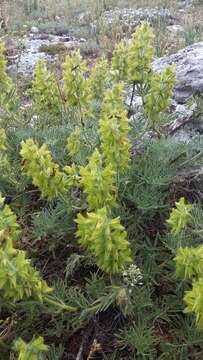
x=189 y=71
x=34 y=30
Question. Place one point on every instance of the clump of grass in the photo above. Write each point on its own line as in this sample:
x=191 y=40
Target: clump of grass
x=139 y=339
x=90 y=49
x=192 y=34
x=53 y=49
x=54 y=27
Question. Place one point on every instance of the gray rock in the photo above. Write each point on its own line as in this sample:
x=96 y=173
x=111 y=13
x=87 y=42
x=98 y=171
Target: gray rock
x=57 y=18
x=180 y=128
x=189 y=71
x=30 y=55
x=34 y=30
x=34 y=120
x=175 y=29
x=185 y=3
x=25 y=61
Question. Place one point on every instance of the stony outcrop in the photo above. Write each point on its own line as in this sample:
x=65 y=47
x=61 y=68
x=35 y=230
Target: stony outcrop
x=189 y=70
x=35 y=47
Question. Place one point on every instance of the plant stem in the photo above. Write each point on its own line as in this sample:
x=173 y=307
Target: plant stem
x=195 y=157
x=60 y=305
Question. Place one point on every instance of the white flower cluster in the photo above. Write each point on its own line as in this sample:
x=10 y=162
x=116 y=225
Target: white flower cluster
x=132 y=276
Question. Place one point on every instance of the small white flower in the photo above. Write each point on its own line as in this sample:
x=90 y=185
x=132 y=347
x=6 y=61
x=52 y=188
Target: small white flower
x=132 y=276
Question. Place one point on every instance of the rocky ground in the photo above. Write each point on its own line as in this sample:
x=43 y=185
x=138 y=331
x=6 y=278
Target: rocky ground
x=36 y=46
x=24 y=51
